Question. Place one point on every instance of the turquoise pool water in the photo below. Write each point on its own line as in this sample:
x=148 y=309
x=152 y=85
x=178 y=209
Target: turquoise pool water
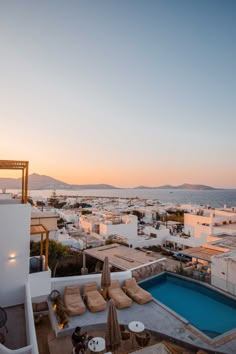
x=206 y=309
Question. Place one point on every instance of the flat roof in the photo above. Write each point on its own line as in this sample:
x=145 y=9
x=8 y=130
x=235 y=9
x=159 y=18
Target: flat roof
x=37 y=229
x=122 y=257
x=226 y=240
x=227 y=226
x=203 y=253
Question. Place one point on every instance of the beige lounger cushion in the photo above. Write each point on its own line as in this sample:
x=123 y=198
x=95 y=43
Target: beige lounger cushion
x=138 y=294
x=95 y=300
x=120 y=299
x=73 y=301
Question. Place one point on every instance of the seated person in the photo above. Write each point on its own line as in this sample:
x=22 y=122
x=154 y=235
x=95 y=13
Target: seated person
x=78 y=349
x=78 y=337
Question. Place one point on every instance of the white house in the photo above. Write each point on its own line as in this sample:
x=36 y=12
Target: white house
x=223 y=272
x=69 y=215
x=124 y=225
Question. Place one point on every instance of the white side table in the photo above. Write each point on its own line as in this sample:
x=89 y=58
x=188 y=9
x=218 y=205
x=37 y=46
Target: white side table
x=136 y=326
x=97 y=344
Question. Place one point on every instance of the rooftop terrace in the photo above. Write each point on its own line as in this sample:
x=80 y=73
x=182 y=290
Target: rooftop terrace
x=162 y=323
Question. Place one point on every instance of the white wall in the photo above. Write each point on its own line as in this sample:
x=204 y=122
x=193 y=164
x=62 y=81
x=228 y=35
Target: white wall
x=223 y=272
x=127 y=229
x=60 y=283
x=85 y=224
x=29 y=319
x=69 y=215
x=141 y=242
x=15 y=239
x=188 y=242
x=40 y=283
x=191 y=220
x=198 y=231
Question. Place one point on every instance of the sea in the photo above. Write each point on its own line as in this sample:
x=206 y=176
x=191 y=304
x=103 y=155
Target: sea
x=218 y=198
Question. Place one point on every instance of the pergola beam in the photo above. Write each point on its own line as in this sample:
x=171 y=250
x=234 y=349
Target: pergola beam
x=18 y=165
x=41 y=230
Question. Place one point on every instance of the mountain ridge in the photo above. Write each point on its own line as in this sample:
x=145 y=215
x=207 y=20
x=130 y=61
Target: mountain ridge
x=42 y=182
x=37 y=181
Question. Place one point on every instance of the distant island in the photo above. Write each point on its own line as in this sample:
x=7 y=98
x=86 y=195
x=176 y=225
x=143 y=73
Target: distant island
x=37 y=181
x=185 y=186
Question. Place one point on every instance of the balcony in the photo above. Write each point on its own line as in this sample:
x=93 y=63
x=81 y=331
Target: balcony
x=20 y=334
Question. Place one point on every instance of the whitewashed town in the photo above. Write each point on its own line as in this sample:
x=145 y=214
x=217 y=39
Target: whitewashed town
x=56 y=251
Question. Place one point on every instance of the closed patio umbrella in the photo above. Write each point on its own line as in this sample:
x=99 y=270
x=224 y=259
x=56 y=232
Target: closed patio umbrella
x=106 y=277
x=113 y=335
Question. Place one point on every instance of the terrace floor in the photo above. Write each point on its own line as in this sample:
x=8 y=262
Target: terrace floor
x=157 y=319
x=16 y=336
x=49 y=344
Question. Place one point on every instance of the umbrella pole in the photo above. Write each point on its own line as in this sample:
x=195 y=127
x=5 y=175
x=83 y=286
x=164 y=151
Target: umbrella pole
x=104 y=293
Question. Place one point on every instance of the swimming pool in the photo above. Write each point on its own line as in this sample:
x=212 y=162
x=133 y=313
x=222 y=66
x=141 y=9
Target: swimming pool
x=206 y=309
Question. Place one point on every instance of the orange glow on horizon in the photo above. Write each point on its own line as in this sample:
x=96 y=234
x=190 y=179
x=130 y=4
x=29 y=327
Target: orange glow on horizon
x=130 y=175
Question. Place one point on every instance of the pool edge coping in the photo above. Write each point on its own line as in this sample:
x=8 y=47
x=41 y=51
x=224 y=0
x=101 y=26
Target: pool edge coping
x=215 y=342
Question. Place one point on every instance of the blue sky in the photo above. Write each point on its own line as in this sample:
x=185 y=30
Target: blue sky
x=123 y=92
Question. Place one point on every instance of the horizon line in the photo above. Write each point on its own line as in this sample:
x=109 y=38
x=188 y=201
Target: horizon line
x=137 y=186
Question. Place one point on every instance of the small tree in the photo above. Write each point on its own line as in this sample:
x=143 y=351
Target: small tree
x=86 y=212
x=30 y=200
x=138 y=214
x=56 y=251
x=60 y=223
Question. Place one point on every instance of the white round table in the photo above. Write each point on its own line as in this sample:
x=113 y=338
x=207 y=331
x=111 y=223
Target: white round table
x=136 y=326
x=96 y=344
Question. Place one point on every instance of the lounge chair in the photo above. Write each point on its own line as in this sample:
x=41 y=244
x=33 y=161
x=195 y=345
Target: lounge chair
x=73 y=301
x=133 y=290
x=94 y=299
x=120 y=299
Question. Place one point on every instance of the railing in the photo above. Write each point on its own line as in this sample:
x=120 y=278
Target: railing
x=224 y=284
x=29 y=317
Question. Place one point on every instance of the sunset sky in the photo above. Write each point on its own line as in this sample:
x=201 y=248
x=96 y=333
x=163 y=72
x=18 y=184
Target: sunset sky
x=128 y=92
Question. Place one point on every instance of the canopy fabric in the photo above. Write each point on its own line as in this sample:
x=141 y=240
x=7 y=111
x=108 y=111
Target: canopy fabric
x=105 y=277
x=113 y=335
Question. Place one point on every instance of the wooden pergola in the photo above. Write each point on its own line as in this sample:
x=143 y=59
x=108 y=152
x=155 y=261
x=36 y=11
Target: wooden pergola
x=18 y=165
x=41 y=230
